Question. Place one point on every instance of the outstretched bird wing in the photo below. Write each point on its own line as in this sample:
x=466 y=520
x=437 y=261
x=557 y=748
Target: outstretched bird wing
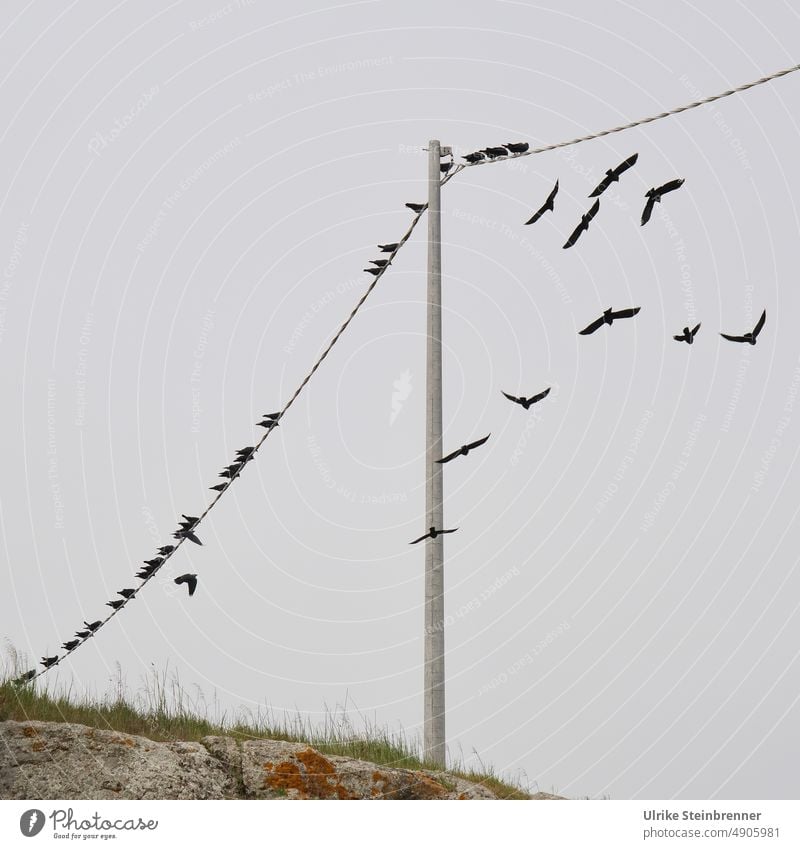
x=451 y=531
x=648 y=208
x=695 y=329
x=733 y=338
x=415 y=541
x=512 y=398
x=757 y=328
x=536 y=398
x=575 y=235
x=679 y=338
x=628 y=163
x=601 y=186
x=626 y=313
x=548 y=204
x=596 y=324
x=478 y=442
x=670 y=186
x=449 y=457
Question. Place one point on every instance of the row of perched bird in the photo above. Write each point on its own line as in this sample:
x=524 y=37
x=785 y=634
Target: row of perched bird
x=186 y=531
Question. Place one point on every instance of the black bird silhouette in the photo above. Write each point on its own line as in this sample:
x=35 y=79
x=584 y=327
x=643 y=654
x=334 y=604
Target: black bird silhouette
x=193 y=520
x=166 y=549
x=146 y=572
x=269 y=423
x=444 y=167
x=156 y=561
x=190 y=580
x=432 y=533
x=83 y=634
x=748 y=337
x=116 y=603
x=613 y=175
x=92 y=626
x=381 y=263
x=275 y=416
x=547 y=206
x=127 y=593
x=464 y=450
x=49 y=661
x=416 y=207
x=25 y=677
x=608 y=318
x=187 y=534
x=70 y=644
x=219 y=487
x=390 y=248
x=517 y=147
x=232 y=470
x=495 y=151
x=654 y=196
x=374 y=271
x=246 y=454
x=584 y=225
x=687 y=335
x=472 y=158
x=527 y=402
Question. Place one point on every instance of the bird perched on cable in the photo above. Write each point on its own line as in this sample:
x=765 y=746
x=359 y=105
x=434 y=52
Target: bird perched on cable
x=191 y=521
x=49 y=661
x=583 y=226
x=25 y=677
x=613 y=175
x=373 y=271
x=185 y=533
x=144 y=574
x=116 y=603
x=517 y=147
x=416 y=207
x=156 y=561
x=381 y=263
x=527 y=402
x=654 y=196
x=390 y=248
x=608 y=317
x=83 y=634
x=495 y=151
x=93 y=626
x=472 y=158
x=547 y=206
x=268 y=423
x=190 y=581
x=464 y=450
x=687 y=335
x=444 y=167
x=70 y=644
x=432 y=533
x=219 y=487
x=166 y=549
x=750 y=338
x=127 y=593
x=245 y=454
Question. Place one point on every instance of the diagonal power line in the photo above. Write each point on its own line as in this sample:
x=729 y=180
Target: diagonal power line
x=32 y=675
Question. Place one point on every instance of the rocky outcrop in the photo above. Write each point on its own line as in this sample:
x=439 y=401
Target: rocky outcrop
x=50 y=760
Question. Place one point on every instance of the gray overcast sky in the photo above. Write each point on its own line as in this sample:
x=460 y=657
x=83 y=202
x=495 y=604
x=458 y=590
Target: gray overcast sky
x=189 y=192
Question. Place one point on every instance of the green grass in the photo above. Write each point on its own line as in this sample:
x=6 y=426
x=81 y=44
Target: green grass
x=163 y=710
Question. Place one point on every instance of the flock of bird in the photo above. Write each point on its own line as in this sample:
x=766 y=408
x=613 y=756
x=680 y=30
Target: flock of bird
x=187 y=528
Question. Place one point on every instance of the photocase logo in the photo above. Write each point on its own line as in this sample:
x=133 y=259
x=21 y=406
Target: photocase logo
x=31 y=822
x=402 y=389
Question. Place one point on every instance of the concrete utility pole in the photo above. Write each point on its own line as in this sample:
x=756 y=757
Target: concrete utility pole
x=434 y=731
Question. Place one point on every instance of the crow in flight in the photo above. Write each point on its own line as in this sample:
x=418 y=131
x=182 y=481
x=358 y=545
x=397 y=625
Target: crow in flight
x=517 y=147
x=584 y=225
x=654 y=196
x=464 y=450
x=495 y=151
x=416 y=207
x=748 y=337
x=608 y=318
x=432 y=533
x=116 y=604
x=189 y=580
x=527 y=402
x=613 y=175
x=548 y=206
x=70 y=644
x=127 y=593
x=687 y=335
x=472 y=158
x=25 y=677
x=49 y=661
x=391 y=248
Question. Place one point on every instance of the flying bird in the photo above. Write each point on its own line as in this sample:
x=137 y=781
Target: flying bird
x=432 y=533
x=472 y=158
x=93 y=626
x=527 y=402
x=654 y=196
x=47 y=662
x=613 y=175
x=608 y=317
x=70 y=644
x=495 y=151
x=25 y=677
x=547 y=206
x=748 y=337
x=416 y=207
x=687 y=335
x=584 y=225
x=116 y=603
x=127 y=593
x=517 y=147
x=189 y=580
x=464 y=450
x=390 y=248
